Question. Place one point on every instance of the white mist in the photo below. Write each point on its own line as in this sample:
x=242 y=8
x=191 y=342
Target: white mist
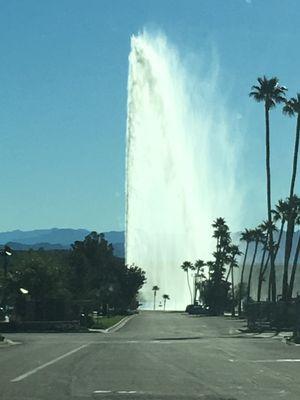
x=180 y=167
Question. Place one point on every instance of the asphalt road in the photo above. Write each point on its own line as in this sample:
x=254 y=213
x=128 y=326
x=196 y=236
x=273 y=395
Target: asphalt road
x=154 y=356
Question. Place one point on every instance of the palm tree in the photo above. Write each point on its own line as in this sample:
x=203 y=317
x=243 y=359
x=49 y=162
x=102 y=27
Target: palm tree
x=210 y=265
x=279 y=214
x=266 y=227
x=295 y=263
x=291 y=108
x=258 y=236
x=234 y=252
x=220 y=227
x=286 y=212
x=199 y=264
x=262 y=269
x=293 y=205
x=186 y=266
x=165 y=297
x=247 y=237
x=271 y=93
x=155 y=289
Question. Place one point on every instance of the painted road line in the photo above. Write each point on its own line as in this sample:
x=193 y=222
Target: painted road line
x=33 y=371
x=126 y=391
x=280 y=360
x=114 y=392
x=284 y=360
x=101 y=391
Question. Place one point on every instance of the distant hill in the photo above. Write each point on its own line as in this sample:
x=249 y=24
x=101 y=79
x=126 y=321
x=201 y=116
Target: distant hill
x=56 y=238
x=36 y=246
x=61 y=238
x=53 y=236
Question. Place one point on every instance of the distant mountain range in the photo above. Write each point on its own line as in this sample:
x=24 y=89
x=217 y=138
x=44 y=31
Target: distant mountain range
x=56 y=239
x=61 y=239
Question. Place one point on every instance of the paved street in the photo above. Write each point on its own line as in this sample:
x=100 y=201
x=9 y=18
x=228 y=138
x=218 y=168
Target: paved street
x=154 y=356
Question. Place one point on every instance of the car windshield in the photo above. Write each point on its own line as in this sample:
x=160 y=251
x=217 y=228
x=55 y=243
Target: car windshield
x=149 y=230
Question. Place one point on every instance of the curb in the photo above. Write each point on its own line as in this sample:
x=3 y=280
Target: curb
x=116 y=327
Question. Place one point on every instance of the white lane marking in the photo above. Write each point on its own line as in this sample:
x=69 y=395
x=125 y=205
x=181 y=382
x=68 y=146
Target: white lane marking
x=283 y=360
x=33 y=371
x=126 y=391
x=279 y=360
x=102 y=391
x=117 y=391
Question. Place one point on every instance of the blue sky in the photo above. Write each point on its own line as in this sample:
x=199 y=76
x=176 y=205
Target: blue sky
x=63 y=73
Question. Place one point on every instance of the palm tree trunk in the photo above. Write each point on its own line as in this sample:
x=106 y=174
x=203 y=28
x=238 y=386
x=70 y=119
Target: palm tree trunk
x=295 y=161
x=268 y=260
x=154 y=294
x=291 y=220
x=294 y=268
x=188 y=282
x=260 y=276
x=195 y=285
x=242 y=281
x=268 y=170
x=251 y=270
x=279 y=238
x=232 y=293
x=228 y=273
x=287 y=255
x=165 y=304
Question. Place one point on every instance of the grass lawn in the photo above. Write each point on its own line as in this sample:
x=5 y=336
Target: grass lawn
x=106 y=322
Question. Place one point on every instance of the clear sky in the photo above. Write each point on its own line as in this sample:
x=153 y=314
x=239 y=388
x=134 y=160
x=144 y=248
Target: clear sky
x=63 y=78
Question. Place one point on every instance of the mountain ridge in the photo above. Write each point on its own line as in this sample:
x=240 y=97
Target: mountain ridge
x=56 y=239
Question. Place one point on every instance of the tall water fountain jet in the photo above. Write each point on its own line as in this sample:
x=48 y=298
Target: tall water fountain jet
x=180 y=167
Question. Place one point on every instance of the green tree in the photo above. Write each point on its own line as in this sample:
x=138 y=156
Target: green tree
x=44 y=278
x=199 y=265
x=282 y=213
x=258 y=237
x=293 y=206
x=279 y=214
x=234 y=252
x=262 y=268
x=102 y=279
x=155 y=288
x=295 y=262
x=270 y=93
x=247 y=237
x=165 y=298
x=186 y=266
x=265 y=227
x=215 y=294
x=292 y=108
